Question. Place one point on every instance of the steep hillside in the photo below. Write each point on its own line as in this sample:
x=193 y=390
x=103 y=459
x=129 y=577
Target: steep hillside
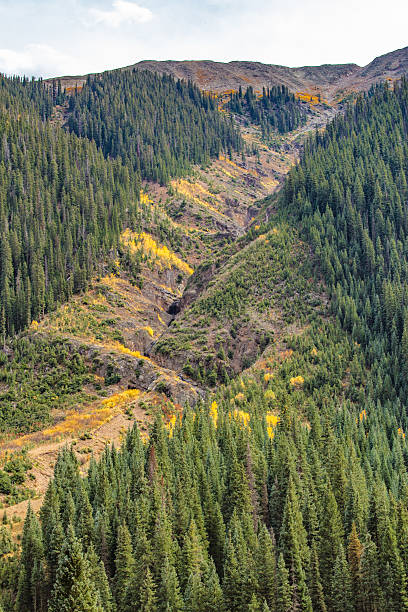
x=218 y=76
x=328 y=80
x=243 y=300
x=227 y=360
x=250 y=501
x=93 y=367
x=390 y=66
x=65 y=203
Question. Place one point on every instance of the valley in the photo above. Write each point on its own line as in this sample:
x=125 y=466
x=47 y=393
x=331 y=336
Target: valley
x=204 y=327
x=120 y=329
x=155 y=334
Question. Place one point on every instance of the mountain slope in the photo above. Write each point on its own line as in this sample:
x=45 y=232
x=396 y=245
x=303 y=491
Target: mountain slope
x=287 y=487
x=328 y=80
x=219 y=76
x=284 y=488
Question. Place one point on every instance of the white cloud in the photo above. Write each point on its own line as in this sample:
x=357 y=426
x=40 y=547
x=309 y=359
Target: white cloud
x=298 y=32
x=35 y=60
x=123 y=12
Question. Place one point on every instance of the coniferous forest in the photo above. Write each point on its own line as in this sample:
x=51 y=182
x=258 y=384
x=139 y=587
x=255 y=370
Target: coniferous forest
x=157 y=126
x=64 y=199
x=286 y=490
x=276 y=109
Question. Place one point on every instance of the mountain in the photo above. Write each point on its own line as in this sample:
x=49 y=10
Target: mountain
x=219 y=77
x=330 y=80
x=390 y=66
x=209 y=411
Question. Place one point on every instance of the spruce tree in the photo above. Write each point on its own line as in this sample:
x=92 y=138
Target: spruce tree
x=283 y=588
x=125 y=567
x=30 y=594
x=341 y=597
x=74 y=590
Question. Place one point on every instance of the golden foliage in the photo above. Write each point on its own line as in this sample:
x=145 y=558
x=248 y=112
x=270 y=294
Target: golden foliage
x=119 y=399
x=297 y=382
x=144 y=198
x=76 y=422
x=171 y=424
x=227 y=173
x=214 y=412
x=149 y=330
x=117 y=346
x=146 y=243
x=307 y=97
x=242 y=416
x=193 y=191
x=271 y=421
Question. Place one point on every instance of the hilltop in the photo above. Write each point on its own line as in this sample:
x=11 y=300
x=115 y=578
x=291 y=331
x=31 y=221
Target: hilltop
x=331 y=81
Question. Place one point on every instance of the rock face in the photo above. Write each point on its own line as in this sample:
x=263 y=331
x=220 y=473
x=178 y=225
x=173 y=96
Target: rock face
x=330 y=80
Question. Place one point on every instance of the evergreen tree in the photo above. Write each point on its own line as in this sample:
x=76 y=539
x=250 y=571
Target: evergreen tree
x=354 y=553
x=74 y=590
x=30 y=595
x=341 y=587
x=283 y=589
x=125 y=565
x=148 y=594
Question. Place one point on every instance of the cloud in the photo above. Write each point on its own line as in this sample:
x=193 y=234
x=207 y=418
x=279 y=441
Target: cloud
x=35 y=60
x=123 y=12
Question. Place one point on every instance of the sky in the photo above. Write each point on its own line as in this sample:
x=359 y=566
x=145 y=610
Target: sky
x=71 y=37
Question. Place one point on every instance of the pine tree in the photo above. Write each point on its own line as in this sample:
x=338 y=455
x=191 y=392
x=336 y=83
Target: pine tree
x=148 y=594
x=371 y=591
x=74 y=590
x=293 y=541
x=354 y=553
x=266 y=568
x=341 y=587
x=316 y=590
x=283 y=589
x=98 y=577
x=125 y=567
x=331 y=536
x=169 y=592
x=254 y=605
x=30 y=593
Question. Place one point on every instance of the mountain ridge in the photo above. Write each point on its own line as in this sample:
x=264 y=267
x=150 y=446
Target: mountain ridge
x=331 y=81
